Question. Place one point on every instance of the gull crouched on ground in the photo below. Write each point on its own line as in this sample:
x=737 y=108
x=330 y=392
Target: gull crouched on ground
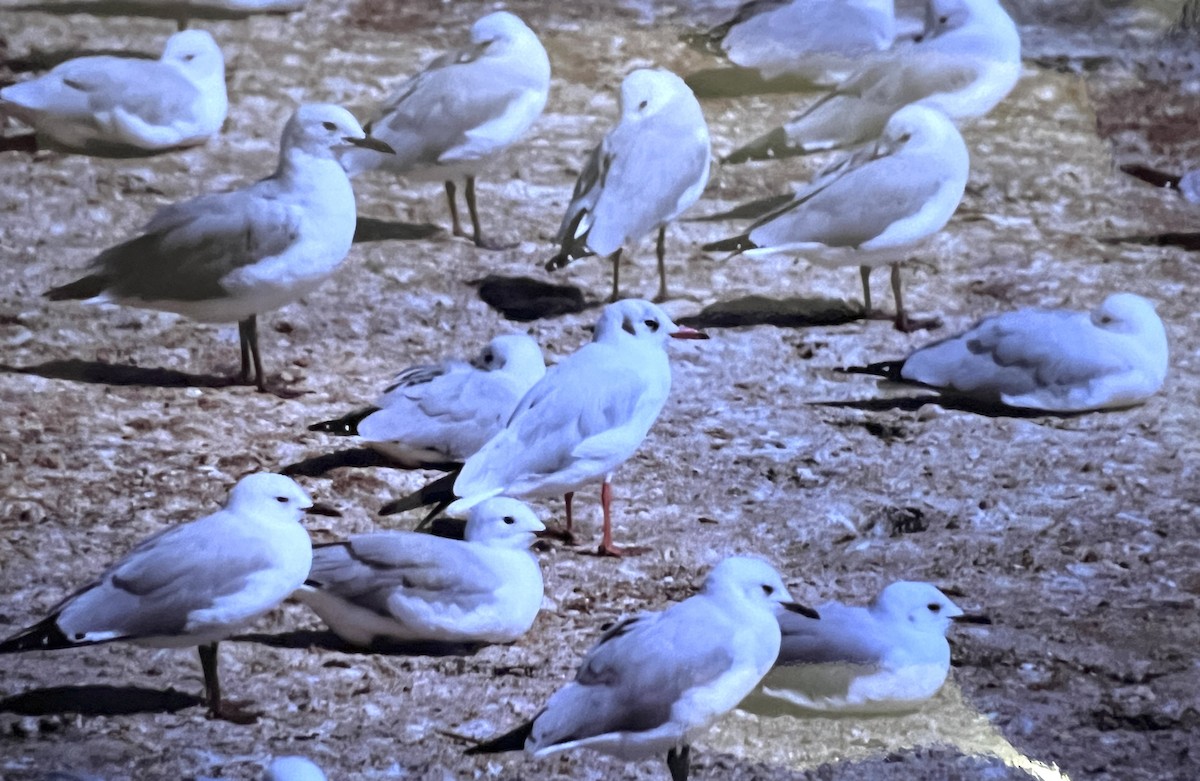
x=656 y=681
x=585 y=418
x=1057 y=360
x=231 y=256
x=447 y=122
x=646 y=172
x=193 y=584
x=414 y=587
x=127 y=106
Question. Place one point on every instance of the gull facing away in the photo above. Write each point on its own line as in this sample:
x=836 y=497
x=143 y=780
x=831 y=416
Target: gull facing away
x=193 y=584
x=125 y=106
x=887 y=657
x=294 y=768
x=585 y=418
x=438 y=415
x=820 y=41
x=874 y=207
x=646 y=172
x=969 y=60
x=1057 y=360
x=656 y=681
x=415 y=587
x=447 y=122
x=230 y=256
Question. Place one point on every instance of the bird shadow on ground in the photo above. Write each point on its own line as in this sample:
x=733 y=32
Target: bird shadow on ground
x=1187 y=241
x=316 y=466
x=170 y=11
x=99 y=373
x=780 y=312
x=956 y=403
x=26 y=143
x=325 y=640
x=733 y=81
x=750 y=210
x=45 y=59
x=524 y=298
x=371 y=229
x=98 y=700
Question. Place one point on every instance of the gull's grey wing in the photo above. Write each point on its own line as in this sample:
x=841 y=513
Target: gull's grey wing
x=415 y=376
x=842 y=635
x=156 y=93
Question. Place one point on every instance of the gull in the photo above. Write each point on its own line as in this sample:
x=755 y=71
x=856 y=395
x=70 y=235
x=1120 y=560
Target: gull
x=969 y=60
x=230 y=256
x=820 y=41
x=124 y=106
x=413 y=587
x=647 y=171
x=193 y=584
x=585 y=418
x=466 y=107
x=655 y=681
x=438 y=415
x=875 y=206
x=1056 y=360
x=294 y=768
x=888 y=656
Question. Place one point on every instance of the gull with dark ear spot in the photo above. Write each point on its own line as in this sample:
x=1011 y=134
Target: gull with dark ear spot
x=585 y=418
x=193 y=584
x=646 y=172
x=889 y=656
x=655 y=682
x=1057 y=360
x=230 y=256
x=451 y=119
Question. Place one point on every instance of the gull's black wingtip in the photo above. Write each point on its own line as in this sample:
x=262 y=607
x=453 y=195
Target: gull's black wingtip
x=439 y=492
x=889 y=370
x=42 y=636
x=513 y=740
x=345 y=426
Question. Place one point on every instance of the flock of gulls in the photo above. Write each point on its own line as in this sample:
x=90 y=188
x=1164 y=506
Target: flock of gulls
x=501 y=425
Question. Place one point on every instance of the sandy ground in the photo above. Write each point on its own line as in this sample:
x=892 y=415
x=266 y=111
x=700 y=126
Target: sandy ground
x=1076 y=535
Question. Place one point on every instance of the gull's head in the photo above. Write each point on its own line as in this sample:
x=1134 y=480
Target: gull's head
x=1126 y=313
x=747 y=578
x=269 y=496
x=503 y=522
x=515 y=353
x=980 y=27
x=195 y=54
x=293 y=769
x=916 y=125
x=321 y=128
x=920 y=606
x=639 y=319
x=499 y=29
x=647 y=91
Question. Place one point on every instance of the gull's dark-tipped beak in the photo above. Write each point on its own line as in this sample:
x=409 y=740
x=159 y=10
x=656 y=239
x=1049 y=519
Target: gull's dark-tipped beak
x=796 y=607
x=686 y=332
x=371 y=143
x=973 y=618
x=323 y=509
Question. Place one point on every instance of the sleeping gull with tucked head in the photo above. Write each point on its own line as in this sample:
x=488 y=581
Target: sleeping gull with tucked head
x=193 y=584
x=231 y=256
x=656 y=681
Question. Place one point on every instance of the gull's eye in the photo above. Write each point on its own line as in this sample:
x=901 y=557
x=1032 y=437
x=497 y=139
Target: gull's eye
x=281 y=499
x=934 y=607
x=652 y=325
x=508 y=519
x=329 y=126
x=189 y=57
x=768 y=590
x=488 y=357
x=643 y=104
x=943 y=19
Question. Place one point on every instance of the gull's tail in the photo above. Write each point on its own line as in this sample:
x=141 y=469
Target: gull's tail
x=89 y=287
x=509 y=741
x=889 y=370
x=345 y=426
x=42 y=636
x=440 y=492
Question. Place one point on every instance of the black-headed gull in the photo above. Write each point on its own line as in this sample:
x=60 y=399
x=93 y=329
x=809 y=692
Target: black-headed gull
x=889 y=656
x=874 y=207
x=968 y=61
x=656 y=681
x=193 y=584
x=466 y=107
x=580 y=422
x=649 y=168
x=231 y=256
x=126 y=106
x=438 y=415
x=1057 y=360
x=412 y=587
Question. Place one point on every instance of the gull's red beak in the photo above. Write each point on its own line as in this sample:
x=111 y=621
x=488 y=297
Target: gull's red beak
x=685 y=332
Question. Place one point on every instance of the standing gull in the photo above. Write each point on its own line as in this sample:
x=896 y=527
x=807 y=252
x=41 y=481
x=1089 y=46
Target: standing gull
x=969 y=60
x=874 y=207
x=466 y=107
x=649 y=169
x=416 y=587
x=656 y=681
x=124 y=106
x=580 y=422
x=193 y=584
x=889 y=656
x=230 y=256
x=438 y=415
x=1057 y=360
